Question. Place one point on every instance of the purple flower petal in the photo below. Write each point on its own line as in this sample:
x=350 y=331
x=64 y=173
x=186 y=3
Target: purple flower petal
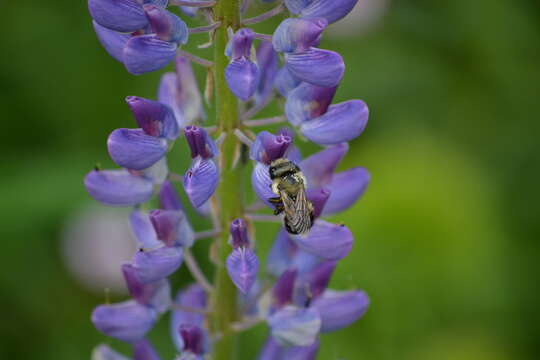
x=112 y=41
x=157 y=172
x=268 y=147
x=267 y=61
x=282 y=292
x=119 y=15
x=295 y=6
x=240 y=45
x=166 y=25
x=316 y=281
x=193 y=297
x=133 y=149
x=172 y=227
x=326 y=240
x=308 y=101
x=147 y=53
x=143 y=350
x=157 y=264
x=293 y=326
x=345 y=188
x=280 y=256
x=239 y=235
x=271 y=350
x=339 y=309
x=302 y=352
x=331 y=10
x=342 y=122
x=118 y=187
x=318 y=198
x=104 y=352
x=242 y=77
x=285 y=81
x=193 y=338
x=316 y=66
x=168 y=94
x=298 y=35
x=305 y=262
x=168 y=197
x=243 y=266
x=127 y=321
x=319 y=167
x=200 y=143
x=200 y=181
x=155 y=118
x=142 y=228
x=261 y=183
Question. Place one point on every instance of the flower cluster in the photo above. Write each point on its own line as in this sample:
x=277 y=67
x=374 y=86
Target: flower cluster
x=293 y=296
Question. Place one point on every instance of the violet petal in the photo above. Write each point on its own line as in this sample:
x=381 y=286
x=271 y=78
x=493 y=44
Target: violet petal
x=294 y=326
x=298 y=35
x=331 y=10
x=147 y=53
x=326 y=240
x=342 y=122
x=268 y=147
x=172 y=227
x=155 y=118
x=243 y=266
x=271 y=350
x=267 y=61
x=166 y=25
x=282 y=292
x=143 y=350
x=193 y=297
x=168 y=197
x=142 y=228
x=280 y=256
x=302 y=352
x=112 y=41
x=285 y=81
x=295 y=6
x=319 y=167
x=104 y=352
x=119 y=15
x=316 y=66
x=242 y=76
x=339 y=309
x=240 y=44
x=318 y=198
x=200 y=181
x=261 y=183
x=168 y=93
x=193 y=338
x=127 y=321
x=133 y=149
x=345 y=188
x=157 y=264
x=239 y=235
x=200 y=143
x=118 y=187
x=308 y=101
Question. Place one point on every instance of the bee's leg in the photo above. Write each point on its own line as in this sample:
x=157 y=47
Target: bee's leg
x=275 y=200
x=279 y=209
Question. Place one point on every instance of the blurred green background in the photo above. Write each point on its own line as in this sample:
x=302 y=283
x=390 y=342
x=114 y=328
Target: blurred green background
x=446 y=235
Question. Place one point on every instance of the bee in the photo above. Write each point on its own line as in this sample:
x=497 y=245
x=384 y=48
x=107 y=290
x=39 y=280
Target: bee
x=289 y=184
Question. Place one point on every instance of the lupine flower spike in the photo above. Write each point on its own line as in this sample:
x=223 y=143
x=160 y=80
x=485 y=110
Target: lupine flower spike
x=249 y=70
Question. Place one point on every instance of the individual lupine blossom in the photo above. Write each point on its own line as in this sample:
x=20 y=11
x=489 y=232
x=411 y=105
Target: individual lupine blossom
x=145 y=36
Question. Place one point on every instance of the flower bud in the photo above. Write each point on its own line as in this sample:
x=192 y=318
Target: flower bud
x=239 y=235
x=200 y=143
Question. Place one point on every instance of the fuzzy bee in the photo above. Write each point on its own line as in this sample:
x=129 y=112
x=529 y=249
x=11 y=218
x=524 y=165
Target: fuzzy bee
x=289 y=184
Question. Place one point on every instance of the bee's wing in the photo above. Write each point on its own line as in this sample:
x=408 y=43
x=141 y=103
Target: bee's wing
x=297 y=211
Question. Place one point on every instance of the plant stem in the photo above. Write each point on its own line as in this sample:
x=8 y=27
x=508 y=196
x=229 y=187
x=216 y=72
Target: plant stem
x=223 y=301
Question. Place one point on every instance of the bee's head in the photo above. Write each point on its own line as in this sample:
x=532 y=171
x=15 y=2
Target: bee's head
x=281 y=167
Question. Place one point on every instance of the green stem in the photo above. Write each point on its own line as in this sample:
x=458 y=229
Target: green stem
x=229 y=192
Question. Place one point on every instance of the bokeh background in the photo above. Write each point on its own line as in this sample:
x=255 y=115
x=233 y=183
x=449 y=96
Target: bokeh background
x=447 y=235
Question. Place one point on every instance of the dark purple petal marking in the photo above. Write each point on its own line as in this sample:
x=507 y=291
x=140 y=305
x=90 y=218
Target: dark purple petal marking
x=118 y=187
x=127 y=321
x=346 y=188
x=339 y=309
x=239 y=234
x=342 y=122
x=326 y=240
x=282 y=292
x=146 y=53
x=155 y=118
x=268 y=147
x=316 y=66
x=112 y=41
x=318 y=197
x=119 y=15
x=133 y=149
x=166 y=25
x=193 y=338
x=199 y=142
x=200 y=181
x=172 y=227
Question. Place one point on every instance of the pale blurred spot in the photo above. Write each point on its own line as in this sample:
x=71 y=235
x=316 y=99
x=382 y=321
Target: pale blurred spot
x=96 y=242
x=365 y=16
